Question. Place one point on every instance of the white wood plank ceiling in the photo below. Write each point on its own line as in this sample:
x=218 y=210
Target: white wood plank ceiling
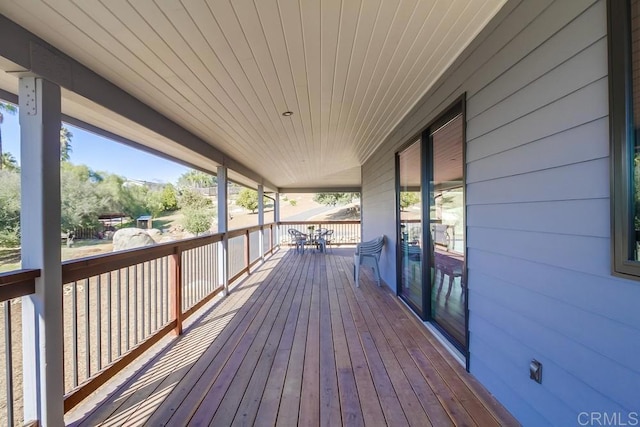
x=226 y=70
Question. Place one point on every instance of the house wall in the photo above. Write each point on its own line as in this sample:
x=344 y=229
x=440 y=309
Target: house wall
x=538 y=213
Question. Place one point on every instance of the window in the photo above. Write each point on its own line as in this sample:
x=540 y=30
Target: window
x=624 y=116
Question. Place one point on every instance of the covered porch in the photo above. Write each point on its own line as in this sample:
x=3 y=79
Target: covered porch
x=297 y=343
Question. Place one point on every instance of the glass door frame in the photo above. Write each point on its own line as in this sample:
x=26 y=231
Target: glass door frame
x=426 y=176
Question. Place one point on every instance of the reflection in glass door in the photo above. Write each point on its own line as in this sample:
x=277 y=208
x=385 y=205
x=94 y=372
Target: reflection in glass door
x=409 y=202
x=446 y=217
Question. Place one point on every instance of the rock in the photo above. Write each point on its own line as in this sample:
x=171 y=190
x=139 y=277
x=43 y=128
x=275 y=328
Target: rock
x=129 y=238
x=155 y=234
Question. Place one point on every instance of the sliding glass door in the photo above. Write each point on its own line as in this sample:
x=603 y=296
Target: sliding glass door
x=431 y=226
x=411 y=287
x=446 y=218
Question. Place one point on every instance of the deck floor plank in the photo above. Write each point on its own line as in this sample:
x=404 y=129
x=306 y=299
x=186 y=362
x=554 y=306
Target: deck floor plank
x=369 y=400
x=329 y=393
x=296 y=343
x=260 y=404
x=351 y=410
x=268 y=409
x=290 y=401
x=240 y=361
x=186 y=397
x=249 y=381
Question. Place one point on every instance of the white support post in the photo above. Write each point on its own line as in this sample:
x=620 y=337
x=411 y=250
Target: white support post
x=261 y=221
x=276 y=218
x=42 y=337
x=223 y=227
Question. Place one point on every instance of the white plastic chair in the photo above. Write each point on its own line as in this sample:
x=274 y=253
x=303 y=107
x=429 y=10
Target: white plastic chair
x=371 y=250
x=324 y=241
x=298 y=239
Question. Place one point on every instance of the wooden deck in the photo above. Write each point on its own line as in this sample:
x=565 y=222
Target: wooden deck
x=297 y=344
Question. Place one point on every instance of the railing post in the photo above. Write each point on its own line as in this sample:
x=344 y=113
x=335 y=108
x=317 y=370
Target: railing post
x=276 y=217
x=247 y=249
x=175 y=289
x=223 y=227
x=261 y=221
x=271 y=237
x=42 y=335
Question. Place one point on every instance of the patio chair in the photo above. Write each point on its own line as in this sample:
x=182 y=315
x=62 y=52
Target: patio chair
x=298 y=239
x=324 y=241
x=368 y=250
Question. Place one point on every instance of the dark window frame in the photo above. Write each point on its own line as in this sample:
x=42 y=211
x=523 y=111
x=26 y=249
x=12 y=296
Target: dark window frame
x=622 y=140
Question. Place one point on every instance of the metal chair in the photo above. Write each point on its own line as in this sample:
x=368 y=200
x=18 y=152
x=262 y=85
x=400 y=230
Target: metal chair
x=368 y=250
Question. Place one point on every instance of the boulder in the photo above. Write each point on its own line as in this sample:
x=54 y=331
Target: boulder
x=130 y=238
x=155 y=234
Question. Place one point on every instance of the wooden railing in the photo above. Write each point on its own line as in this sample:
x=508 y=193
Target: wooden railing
x=13 y=285
x=344 y=232
x=117 y=305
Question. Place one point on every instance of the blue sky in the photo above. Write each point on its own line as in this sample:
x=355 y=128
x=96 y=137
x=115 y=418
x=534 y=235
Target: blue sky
x=102 y=154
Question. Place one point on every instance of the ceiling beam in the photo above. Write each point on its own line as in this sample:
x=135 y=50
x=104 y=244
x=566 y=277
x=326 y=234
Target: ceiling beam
x=33 y=54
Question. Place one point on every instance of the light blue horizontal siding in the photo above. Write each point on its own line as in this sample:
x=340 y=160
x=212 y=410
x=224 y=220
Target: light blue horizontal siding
x=573 y=145
x=560 y=390
x=617 y=385
x=576 y=36
x=579 y=253
x=593 y=293
x=584 y=105
x=557 y=217
x=557 y=83
x=586 y=180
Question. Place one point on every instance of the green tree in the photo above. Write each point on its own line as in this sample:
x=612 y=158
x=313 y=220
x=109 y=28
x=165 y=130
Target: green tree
x=333 y=199
x=197 y=211
x=248 y=199
x=8 y=108
x=9 y=162
x=153 y=202
x=80 y=202
x=408 y=198
x=9 y=208
x=65 y=144
x=197 y=220
x=190 y=198
x=169 y=198
x=196 y=179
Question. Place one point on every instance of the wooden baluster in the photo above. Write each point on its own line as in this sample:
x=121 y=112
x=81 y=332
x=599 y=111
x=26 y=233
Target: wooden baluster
x=247 y=254
x=175 y=289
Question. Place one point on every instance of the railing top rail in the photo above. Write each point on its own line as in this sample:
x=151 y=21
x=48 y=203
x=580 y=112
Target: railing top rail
x=17 y=283
x=98 y=264
x=335 y=222
x=241 y=231
x=82 y=268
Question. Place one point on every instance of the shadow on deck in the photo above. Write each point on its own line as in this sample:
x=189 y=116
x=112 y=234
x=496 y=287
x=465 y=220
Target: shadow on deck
x=297 y=343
